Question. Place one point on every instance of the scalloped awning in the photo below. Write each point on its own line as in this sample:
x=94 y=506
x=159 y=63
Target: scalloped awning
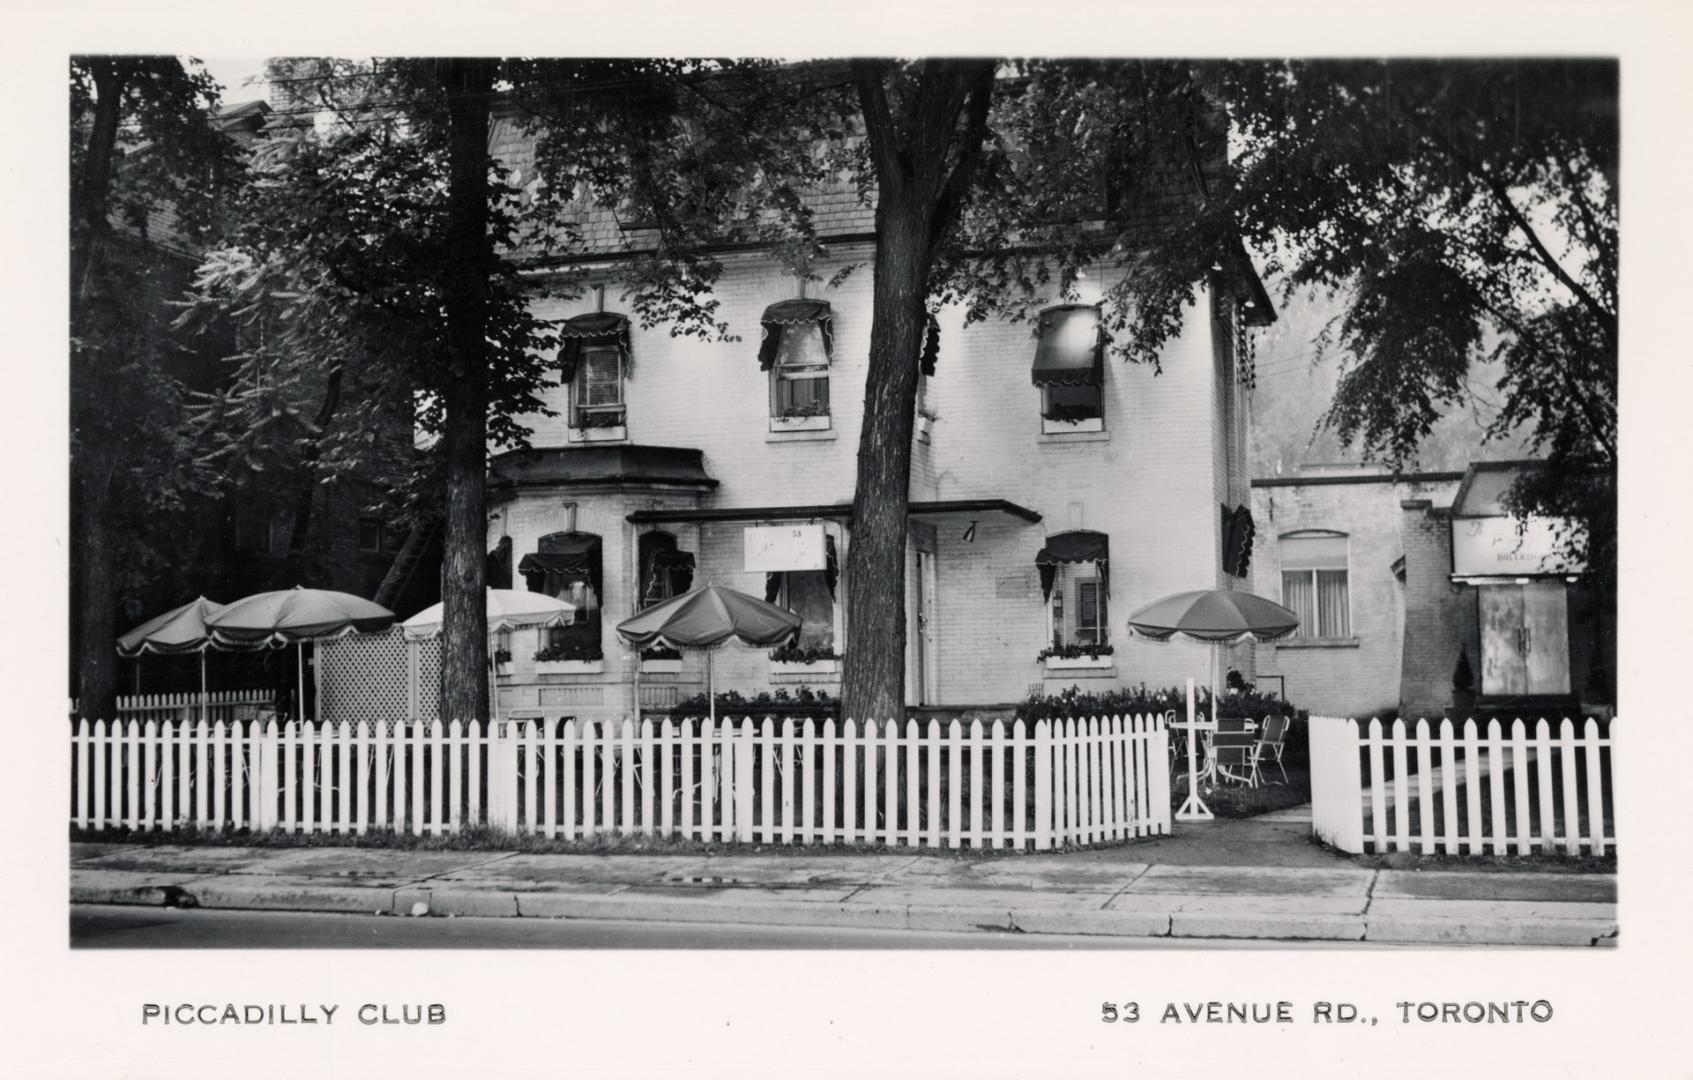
x=594 y=328
x=799 y=311
x=1072 y=347
x=1079 y=546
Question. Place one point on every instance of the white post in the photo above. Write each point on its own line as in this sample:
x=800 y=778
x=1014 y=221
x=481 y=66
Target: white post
x=1193 y=808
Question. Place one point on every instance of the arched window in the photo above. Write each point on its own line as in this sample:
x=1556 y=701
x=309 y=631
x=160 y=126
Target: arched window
x=568 y=565
x=1314 y=582
x=665 y=570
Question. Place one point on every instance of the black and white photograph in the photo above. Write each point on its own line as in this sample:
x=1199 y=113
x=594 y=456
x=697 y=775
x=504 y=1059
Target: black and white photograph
x=853 y=511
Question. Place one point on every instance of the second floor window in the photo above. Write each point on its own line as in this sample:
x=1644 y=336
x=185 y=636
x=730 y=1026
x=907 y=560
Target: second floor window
x=800 y=378
x=796 y=347
x=1069 y=367
x=597 y=397
x=594 y=363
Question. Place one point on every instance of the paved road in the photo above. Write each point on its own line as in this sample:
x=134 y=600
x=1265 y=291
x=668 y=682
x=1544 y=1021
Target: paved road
x=117 y=927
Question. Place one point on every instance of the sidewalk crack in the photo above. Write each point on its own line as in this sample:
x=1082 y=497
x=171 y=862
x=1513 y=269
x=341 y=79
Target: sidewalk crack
x=463 y=869
x=1125 y=888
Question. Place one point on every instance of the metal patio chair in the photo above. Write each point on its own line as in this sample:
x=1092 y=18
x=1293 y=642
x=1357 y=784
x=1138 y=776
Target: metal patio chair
x=1270 y=744
x=1233 y=750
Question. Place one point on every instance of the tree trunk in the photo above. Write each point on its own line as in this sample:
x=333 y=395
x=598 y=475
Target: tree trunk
x=93 y=464
x=873 y=682
x=467 y=84
x=96 y=587
x=924 y=161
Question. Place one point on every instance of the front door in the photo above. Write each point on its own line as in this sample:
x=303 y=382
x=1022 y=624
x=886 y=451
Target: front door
x=1525 y=639
x=922 y=658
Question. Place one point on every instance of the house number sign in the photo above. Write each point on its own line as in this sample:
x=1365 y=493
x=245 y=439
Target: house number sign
x=784 y=547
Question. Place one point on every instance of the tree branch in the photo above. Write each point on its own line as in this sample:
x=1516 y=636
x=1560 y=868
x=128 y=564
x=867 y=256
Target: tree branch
x=1600 y=238
x=879 y=126
x=1607 y=319
x=957 y=184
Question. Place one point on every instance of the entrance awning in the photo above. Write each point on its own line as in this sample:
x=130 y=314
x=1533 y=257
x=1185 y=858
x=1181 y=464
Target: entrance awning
x=835 y=511
x=1072 y=347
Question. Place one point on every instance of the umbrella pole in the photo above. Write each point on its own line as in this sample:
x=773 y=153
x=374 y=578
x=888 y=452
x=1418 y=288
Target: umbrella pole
x=710 y=689
x=202 y=684
x=300 y=670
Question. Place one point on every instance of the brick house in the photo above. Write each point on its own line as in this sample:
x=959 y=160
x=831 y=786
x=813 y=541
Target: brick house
x=1052 y=491
x=1396 y=577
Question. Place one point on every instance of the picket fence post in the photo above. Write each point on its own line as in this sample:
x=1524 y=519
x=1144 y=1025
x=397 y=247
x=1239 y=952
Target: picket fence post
x=1043 y=785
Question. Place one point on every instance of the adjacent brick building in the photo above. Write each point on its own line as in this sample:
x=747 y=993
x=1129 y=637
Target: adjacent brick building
x=1433 y=569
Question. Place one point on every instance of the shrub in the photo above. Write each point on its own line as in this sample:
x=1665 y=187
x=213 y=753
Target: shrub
x=1072 y=652
x=571 y=650
x=791 y=653
x=800 y=701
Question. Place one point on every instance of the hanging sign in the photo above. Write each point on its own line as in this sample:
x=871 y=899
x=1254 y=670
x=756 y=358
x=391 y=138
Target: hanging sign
x=1492 y=547
x=783 y=547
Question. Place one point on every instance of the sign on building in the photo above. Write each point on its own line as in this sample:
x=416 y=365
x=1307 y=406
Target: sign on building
x=1492 y=547
x=784 y=547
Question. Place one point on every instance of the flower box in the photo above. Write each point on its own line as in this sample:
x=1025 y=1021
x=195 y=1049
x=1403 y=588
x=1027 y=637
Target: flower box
x=1070 y=427
x=570 y=667
x=503 y=668
x=794 y=667
x=1078 y=663
x=661 y=667
x=619 y=433
x=799 y=423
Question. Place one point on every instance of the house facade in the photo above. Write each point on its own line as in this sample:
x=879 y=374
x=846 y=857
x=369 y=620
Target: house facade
x=1399 y=579
x=1053 y=491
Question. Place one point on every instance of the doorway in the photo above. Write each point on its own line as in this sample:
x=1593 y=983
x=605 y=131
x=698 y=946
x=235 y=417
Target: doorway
x=1525 y=638
x=922 y=653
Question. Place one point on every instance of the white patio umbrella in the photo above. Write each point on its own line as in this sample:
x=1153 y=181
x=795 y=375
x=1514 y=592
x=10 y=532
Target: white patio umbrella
x=508 y=609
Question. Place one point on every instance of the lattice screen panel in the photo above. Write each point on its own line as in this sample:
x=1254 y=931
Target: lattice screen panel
x=363 y=677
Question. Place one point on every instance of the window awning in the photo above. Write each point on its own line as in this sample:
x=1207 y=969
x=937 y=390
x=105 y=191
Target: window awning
x=931 y=347
x=1238 y=531
x=563 y=558
x=1072 y=347
x=800 y=311
x=1079 y=546
x=596 y=327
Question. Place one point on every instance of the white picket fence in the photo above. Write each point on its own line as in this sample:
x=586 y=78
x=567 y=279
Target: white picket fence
x=226 y=705
x=1526 y=787
x=1075 y=782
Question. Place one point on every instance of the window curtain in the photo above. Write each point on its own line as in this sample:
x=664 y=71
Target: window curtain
x=831 y=573
x=1299 y=596
x=1332 y=616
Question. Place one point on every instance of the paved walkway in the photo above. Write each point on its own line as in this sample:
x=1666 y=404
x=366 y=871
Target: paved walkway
x=1142 y=890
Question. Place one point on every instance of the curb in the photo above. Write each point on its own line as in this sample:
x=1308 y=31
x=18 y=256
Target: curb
x=1432 y=922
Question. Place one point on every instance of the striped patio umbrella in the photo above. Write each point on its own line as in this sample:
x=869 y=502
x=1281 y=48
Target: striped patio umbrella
x=706 y=618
